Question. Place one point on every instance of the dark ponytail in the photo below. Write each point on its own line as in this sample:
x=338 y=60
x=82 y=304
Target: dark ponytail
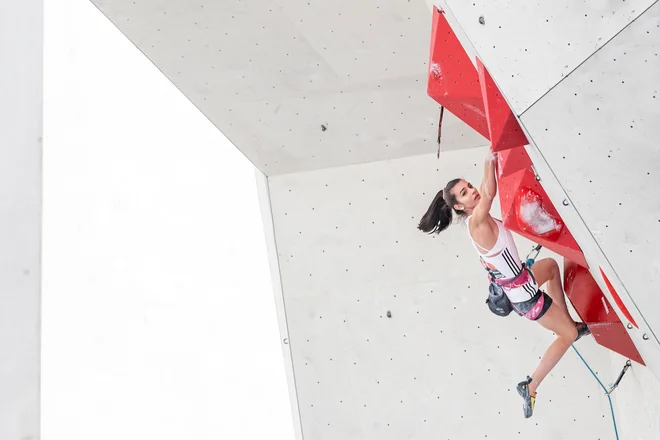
x=440 y=214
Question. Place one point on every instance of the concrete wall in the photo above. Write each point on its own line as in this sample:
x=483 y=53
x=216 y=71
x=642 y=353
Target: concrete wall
x=529 y=47
x=598 y=130
x=442 y=365
x=636 y=403
x=270 y=73
x=20 y=217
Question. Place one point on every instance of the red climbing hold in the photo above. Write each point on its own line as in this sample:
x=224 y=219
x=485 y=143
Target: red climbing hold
x=594 y=309
x=532 y=216
x=504 y=130
x=453 y=81
x=522 y=186
x=512 y=160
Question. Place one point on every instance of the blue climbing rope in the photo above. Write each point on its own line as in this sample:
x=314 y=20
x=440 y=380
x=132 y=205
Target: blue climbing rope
x=529 y=262
x=616 y=432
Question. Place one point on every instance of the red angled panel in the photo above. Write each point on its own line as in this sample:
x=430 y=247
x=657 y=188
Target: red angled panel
x=504 y=130
x=594 y=309
x=617 y=299
x=512 y=160
x=453 y=81
x=557 y=239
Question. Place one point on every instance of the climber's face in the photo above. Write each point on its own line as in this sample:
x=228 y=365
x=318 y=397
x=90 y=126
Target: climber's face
x=467 y=196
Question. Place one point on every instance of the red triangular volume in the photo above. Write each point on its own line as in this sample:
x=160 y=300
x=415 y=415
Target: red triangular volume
x=561 y=242
x=453 y=81
x=511 y=161
x=594 y=309
x=504 y=130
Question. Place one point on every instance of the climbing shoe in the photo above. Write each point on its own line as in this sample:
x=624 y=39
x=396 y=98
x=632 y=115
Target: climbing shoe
x=582 y=330
x=528 y=399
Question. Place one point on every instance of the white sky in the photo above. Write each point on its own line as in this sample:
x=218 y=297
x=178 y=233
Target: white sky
x=159 y=318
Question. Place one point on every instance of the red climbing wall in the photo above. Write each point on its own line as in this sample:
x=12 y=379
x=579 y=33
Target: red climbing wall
x=512 y=160
x=453 y=81
x=471 y=95
x=503 y=128
x=592 y=306
x=474 y=97
x=510 y=188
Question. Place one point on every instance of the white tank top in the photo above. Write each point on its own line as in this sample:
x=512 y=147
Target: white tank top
x=502 y=262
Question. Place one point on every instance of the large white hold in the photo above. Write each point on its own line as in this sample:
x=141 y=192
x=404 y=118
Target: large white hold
x=534 y=215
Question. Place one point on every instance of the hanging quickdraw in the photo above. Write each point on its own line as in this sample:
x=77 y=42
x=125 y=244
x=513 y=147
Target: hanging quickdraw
x=442 y=113
x=531 y=257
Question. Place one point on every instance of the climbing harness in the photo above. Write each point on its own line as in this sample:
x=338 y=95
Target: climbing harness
x=531 y=257
x=497 y=301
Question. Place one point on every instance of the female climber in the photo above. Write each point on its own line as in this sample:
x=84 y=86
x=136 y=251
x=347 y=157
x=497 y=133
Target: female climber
x=499 y=256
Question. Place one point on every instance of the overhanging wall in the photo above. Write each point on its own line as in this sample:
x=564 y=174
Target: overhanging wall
x=349 y=252
x=271 y=73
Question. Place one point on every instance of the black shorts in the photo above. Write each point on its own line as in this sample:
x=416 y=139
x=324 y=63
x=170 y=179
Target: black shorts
x=534 y=308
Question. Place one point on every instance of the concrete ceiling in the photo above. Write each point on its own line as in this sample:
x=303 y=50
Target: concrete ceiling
x=270 y=74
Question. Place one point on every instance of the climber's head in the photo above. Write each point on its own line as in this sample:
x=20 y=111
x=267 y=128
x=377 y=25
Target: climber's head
x=458 y=196
x=466 y=197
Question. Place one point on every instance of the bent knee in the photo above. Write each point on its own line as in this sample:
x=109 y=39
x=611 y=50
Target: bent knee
x=545 y=269
x=554 y=266
x=569 y=334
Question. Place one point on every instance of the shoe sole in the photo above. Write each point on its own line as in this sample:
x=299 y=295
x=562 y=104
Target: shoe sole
x=521 y=392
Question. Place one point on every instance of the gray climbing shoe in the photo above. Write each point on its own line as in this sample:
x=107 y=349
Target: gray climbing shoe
x=582 y=330
x=528 y=400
